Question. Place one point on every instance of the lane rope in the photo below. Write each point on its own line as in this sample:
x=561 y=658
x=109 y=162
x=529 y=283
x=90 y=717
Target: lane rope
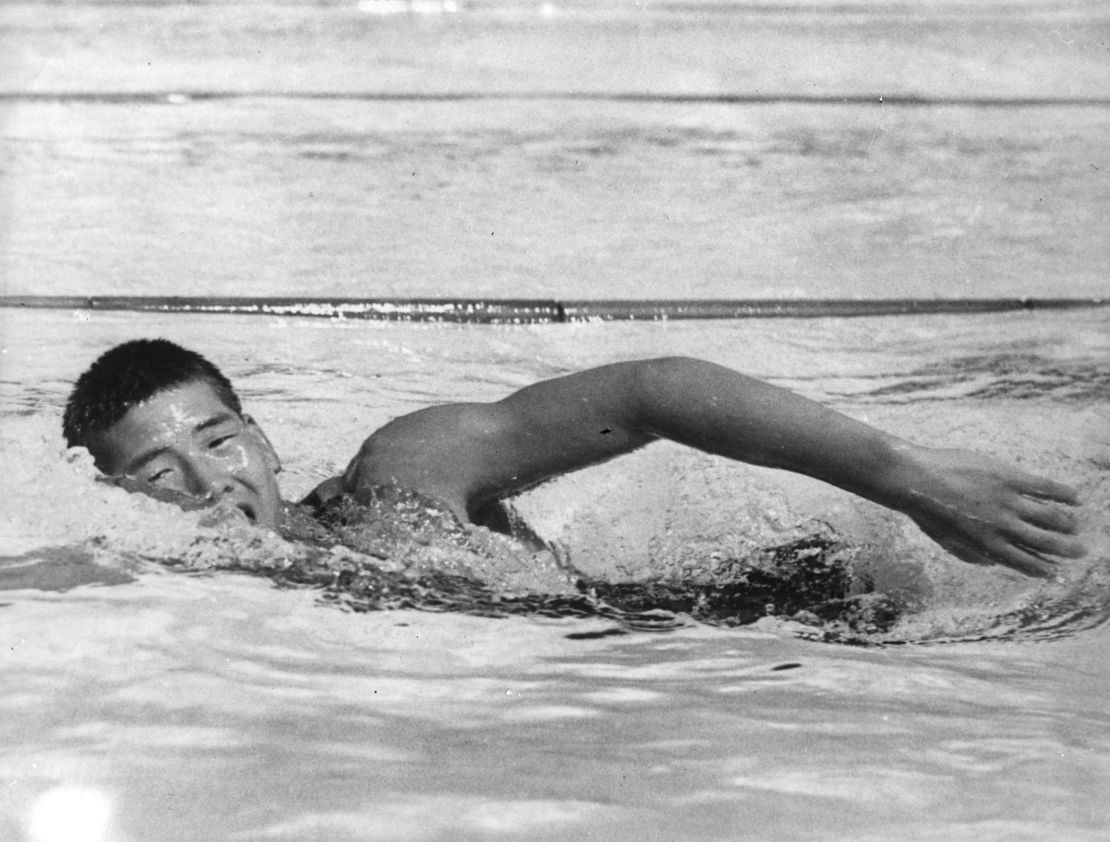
x=541 y=311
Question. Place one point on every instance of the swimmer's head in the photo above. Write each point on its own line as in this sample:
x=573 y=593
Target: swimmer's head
x=168 y=423
x=126 y=376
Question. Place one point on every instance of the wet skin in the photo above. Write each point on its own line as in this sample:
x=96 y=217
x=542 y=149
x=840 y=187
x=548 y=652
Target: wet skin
x=185 y=441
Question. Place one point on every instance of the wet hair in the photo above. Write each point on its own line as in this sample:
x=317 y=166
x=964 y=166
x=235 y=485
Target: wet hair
x=129 y=374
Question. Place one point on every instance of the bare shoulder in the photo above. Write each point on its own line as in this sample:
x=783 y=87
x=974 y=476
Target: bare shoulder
x=442 y=451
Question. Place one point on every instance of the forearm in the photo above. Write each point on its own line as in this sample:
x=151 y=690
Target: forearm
x=721 y=411
x=564 y=424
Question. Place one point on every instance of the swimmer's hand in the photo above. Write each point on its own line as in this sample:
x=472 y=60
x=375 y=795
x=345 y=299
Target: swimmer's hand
x=986 y=512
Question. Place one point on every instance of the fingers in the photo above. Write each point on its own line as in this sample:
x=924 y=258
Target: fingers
x=1012 y=542
x=1047 y=515
x=1004 y=553
x=1044 y=541
x=1031 y=564
x=1046 y=489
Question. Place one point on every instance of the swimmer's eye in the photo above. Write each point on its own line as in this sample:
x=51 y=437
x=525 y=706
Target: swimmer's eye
x=219 y=441
x=159 y=475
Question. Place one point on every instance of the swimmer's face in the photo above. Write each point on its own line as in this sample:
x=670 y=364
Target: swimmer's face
x=185 y=440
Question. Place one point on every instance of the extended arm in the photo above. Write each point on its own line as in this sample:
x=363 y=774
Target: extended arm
x=470 y=454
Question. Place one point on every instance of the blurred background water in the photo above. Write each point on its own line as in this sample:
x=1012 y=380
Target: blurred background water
x=115 y=164
x=603 y=150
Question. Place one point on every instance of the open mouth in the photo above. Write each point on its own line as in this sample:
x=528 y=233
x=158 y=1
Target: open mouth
x=224 y=511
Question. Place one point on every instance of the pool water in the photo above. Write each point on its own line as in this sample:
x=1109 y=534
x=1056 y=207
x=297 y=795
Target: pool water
x=200 y=703
x=162 y=678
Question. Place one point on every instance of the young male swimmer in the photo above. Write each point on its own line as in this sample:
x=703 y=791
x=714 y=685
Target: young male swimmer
x=165 y=420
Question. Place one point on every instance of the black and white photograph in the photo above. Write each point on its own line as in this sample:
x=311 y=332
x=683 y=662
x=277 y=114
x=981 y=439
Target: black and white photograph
x=618 y=420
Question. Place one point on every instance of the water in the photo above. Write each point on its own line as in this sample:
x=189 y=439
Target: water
x=151 y=695
x=215 y=705
x=553 y=198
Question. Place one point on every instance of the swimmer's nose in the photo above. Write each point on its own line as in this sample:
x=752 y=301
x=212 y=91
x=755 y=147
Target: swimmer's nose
x=209 y=479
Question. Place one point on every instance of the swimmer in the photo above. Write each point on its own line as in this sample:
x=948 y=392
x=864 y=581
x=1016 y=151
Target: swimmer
x=166 y=421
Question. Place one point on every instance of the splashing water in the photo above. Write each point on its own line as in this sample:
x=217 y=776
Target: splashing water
x=397 y=549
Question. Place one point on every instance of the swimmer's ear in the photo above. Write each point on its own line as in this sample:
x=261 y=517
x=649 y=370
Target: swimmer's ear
x=272 y=459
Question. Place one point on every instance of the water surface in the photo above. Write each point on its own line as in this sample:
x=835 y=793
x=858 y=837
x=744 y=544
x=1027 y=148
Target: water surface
x=216 y=705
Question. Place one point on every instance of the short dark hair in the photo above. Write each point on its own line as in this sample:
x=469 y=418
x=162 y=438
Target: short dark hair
x=129 y=374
